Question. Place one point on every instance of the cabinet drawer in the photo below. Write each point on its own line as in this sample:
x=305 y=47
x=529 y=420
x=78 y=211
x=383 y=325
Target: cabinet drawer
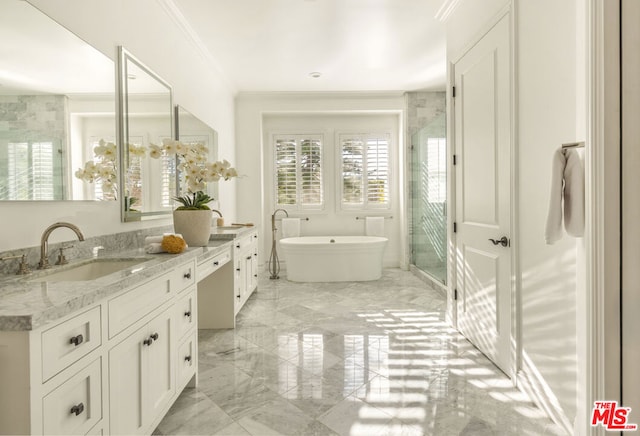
x=129 y=307
x=65 y=343
x=186 y=312
x=75 y=407
x=187 y=359
x=183 y=276
x=241 y=244
x=211 y=265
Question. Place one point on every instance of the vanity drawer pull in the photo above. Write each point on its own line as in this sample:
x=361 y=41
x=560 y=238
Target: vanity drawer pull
x=238 y=246
x=237 y=269
x=216 y=263
x=76 y=340
x=154 y=336
x=78 y=409
x=187 y=359
x=148 y=342
x=187 y=275
x=248 y=257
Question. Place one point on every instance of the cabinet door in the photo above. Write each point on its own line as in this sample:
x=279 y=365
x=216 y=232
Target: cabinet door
x=141 y=376
x=125 y=385
x=158 y=371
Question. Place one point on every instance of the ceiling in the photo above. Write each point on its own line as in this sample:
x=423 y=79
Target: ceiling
x=356 y=45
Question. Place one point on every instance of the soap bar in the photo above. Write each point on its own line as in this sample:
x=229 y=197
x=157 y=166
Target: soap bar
x=220 y=222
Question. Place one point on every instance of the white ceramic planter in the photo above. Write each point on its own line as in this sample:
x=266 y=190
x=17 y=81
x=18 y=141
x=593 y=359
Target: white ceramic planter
x=193 y=225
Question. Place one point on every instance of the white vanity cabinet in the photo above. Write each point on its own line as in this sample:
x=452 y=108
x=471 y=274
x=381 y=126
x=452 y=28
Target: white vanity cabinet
x=113 y=367
x=245 y=257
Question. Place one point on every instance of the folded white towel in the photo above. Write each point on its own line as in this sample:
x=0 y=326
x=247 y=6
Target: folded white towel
x=567 y=195
x=374 y=226
x=290 y=227
x=152 y=239
x=154 y=248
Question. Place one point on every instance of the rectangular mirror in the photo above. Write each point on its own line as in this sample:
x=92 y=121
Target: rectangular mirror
x=57 y=101
x=192 y=131
x=148 y=176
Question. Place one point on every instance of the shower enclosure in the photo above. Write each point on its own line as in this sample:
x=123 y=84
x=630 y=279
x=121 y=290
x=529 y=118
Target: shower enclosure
x=429 y=199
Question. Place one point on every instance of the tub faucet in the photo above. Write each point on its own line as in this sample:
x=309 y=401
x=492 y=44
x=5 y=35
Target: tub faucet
x=274 y=262
x=44 y=241
x=273 y=218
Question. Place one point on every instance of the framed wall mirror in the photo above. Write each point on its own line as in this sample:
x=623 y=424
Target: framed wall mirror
x=148 y=174
x=192 y=131
x=57 y=101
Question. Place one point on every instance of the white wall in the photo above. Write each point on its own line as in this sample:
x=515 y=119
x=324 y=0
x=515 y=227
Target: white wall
x=150 y=33
x=550 y=96
x=252 y=108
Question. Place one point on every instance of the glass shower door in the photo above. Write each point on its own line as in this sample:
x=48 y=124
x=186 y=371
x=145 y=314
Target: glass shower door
x=429 y=197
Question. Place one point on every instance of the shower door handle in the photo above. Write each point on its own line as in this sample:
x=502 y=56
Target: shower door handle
x=504 y=241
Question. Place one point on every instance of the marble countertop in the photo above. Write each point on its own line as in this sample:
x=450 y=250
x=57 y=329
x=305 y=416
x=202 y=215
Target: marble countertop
x=27 y=305
x=228 y=232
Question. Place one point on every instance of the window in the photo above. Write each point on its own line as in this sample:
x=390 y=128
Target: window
x=365 y=171
x=30 y=170
x=298 y=169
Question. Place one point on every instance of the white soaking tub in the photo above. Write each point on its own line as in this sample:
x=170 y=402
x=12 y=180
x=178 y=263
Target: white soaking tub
x=333 y=258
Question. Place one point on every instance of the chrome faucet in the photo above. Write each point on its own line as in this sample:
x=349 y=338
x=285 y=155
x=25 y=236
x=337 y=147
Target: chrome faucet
x=218 y=212
x=44 y=241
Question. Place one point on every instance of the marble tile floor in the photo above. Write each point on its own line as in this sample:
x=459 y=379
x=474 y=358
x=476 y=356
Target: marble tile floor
x=357 y=358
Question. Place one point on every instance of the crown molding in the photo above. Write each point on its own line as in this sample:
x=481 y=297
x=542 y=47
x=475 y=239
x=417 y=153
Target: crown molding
x=176 y=15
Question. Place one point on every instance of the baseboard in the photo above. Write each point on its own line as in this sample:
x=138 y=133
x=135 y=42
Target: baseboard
x=531 y=382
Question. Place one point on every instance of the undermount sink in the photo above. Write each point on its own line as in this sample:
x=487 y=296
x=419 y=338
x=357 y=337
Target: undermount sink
x=229 y=227
x=92 y=270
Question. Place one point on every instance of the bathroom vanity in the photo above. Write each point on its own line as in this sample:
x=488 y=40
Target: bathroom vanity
x=110 y=355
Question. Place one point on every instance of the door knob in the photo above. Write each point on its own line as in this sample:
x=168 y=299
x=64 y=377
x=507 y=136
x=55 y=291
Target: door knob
x=504 y=241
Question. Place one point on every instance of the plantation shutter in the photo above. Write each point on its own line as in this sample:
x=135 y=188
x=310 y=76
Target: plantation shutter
x=352 y=171
x=298 y=169
x=365 y=171
x=310 y=172
x=377 y=172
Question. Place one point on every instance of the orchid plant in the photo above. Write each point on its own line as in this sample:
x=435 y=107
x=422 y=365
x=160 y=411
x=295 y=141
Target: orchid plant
x=102 y=169
x=195 y=171
x=194 y=168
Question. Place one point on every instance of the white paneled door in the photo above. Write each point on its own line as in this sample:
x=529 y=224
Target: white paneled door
x=483 y=194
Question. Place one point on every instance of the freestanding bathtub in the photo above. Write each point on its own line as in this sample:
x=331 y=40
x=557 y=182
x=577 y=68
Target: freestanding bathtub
x=333 y=258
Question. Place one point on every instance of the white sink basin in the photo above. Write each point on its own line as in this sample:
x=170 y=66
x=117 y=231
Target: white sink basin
x=88 y=271
x=229 y=227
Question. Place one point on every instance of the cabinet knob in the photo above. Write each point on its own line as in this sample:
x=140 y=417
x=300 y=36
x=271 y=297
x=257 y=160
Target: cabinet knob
x=188 y=314
x=255 y=236
x=148 y=342
x=187 y=275
x=255 y=254
x=187 y=359
x=216 y=263
x=238 y=246
x=76 y=340
x=238 y=296
x=237 y=269
x=255 y=275
x=248 y=257
x=154 y=336
x=78 y=409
